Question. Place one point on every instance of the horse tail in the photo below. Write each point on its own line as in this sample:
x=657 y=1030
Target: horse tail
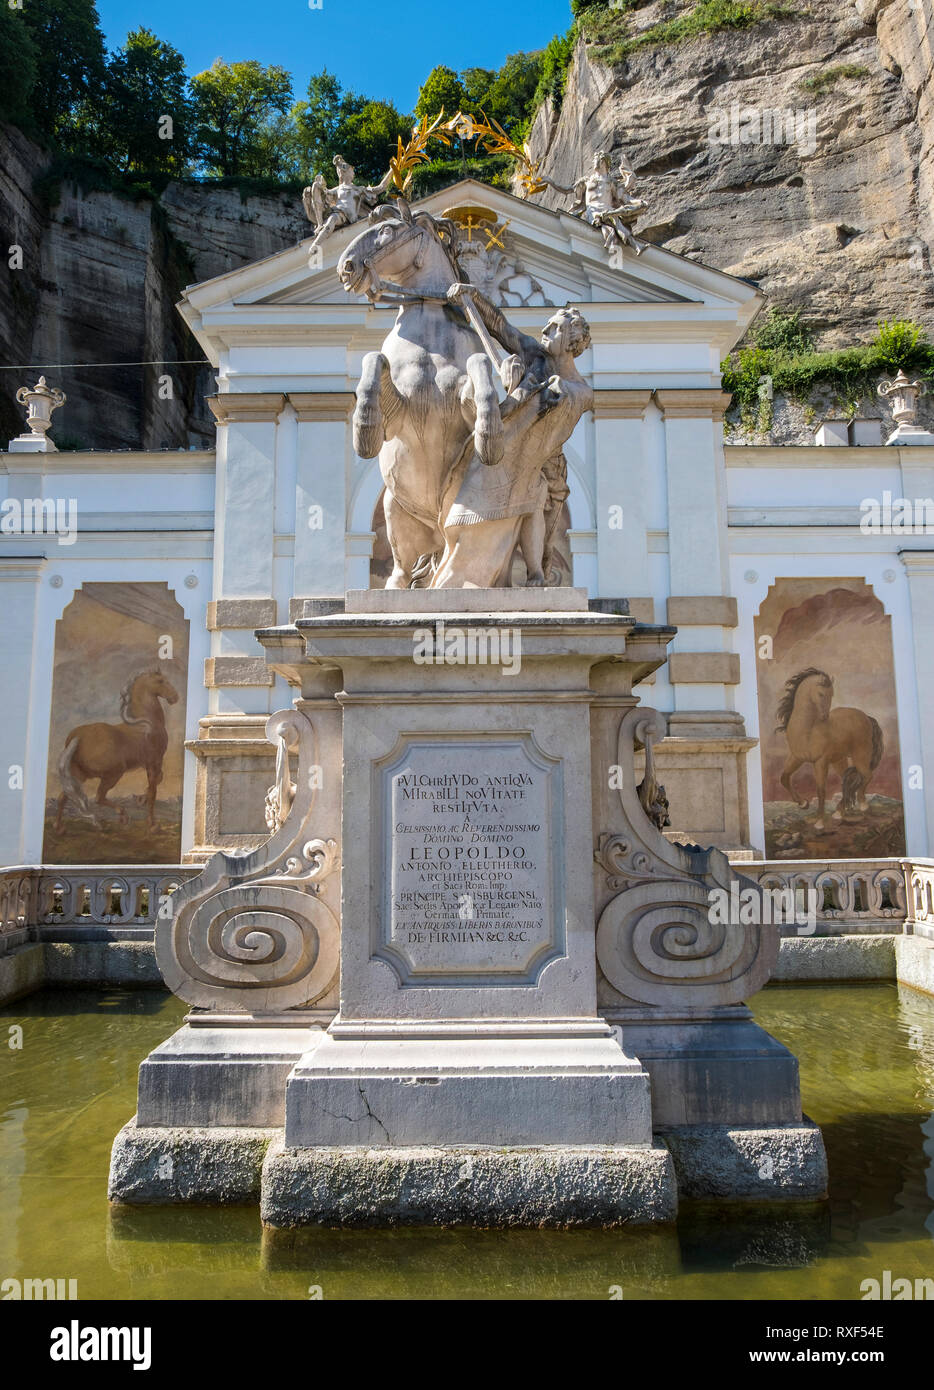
x=852 y=786
x=424 y=570
x=74 y=792
x=878 y=744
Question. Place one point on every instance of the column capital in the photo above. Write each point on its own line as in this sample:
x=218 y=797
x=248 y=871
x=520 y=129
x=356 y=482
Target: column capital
x=917 y=561
x=246 y=407
x=322 y=405
x=620 y=405
x=693 y=404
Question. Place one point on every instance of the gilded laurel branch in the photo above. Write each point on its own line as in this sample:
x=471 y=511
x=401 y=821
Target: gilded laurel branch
x=487 y=132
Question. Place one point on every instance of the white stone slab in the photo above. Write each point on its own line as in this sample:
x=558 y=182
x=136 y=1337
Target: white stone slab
x=563 y=600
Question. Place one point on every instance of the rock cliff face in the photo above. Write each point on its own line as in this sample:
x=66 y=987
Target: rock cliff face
x=99 y=280
x=839 y=224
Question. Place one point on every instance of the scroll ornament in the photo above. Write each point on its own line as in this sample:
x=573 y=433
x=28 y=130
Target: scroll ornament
x=658 y=942
x=251 y=933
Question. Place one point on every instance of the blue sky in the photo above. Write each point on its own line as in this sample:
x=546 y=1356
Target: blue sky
x=384 y=48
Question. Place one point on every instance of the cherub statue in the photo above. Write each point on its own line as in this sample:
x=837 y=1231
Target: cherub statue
x=606 y=200
x=347 y=202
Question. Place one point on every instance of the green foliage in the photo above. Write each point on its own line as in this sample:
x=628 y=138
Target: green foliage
x=146 y=84
x=18 y=67
x=331 y=121
x=821 y=82
x=495 y=169
x=69 y=65
x=235 y=105
x=130 y=123
x=553 y=76
x=901 y=344
x=613 y=43
x=782 y=330
x=782 y=350
x=442 y=90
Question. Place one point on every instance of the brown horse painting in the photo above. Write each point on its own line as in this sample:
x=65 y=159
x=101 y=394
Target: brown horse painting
x=108 y=751
x=848 y=740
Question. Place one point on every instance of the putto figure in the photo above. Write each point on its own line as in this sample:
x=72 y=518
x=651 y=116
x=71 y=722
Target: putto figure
x=606 y=200
x=347 y=202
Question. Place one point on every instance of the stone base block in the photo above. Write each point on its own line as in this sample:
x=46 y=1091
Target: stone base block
x=22 y=971
x=158 y=1167
x=785 y=1162
x=102 y=965
x=516 y=1092
x=915 y=962
x=723 y=1072
x=830 y=958
x=212 y=1074
x=534 y=1187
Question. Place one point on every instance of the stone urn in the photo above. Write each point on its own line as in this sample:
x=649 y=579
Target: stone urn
x=40 y=401
x=903 y=396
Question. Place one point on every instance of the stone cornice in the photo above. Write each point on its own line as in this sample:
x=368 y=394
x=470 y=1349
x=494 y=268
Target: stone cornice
x=322 y=405
x=246 y=407
x=610 y=404
x=693 y=404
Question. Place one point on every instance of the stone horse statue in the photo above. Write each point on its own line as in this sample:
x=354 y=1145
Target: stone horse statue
x=428 y=389
x=846 y=739
x=108 y=751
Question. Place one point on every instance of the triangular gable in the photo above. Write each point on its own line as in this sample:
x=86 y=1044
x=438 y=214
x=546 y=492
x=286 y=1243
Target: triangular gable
x=559 y=259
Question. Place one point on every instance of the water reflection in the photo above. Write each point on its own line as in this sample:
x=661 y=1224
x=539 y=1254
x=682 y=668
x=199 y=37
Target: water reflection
x=867 y=1067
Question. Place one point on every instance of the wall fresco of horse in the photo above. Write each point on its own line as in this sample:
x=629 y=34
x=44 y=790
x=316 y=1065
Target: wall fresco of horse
x=117 y=729
x=828 y=727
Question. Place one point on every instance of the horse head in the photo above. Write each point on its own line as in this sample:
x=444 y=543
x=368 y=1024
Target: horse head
x=144 y=693
x=401 y=246
x=814 y=690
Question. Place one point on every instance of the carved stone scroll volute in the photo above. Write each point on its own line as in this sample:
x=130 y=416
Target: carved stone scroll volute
x=252 y=932
x=657 y=940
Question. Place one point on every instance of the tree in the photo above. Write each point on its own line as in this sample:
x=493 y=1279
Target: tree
x=70 y=69
x=443 y=91
x=146 y=117
x=18 y=66
x=508 y=98
x=233 y=104
x=333 y=121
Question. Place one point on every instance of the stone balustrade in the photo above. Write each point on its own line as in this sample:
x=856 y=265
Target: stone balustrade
x=855 y=896
x=37 y=899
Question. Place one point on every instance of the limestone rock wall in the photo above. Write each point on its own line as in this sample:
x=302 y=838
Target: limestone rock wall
x=845 y=229
x=100 y=277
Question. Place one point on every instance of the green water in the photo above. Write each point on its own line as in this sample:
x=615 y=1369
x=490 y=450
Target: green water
x=867 y=1067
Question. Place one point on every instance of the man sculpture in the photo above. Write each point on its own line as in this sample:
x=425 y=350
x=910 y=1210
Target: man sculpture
x=488 y=512
x=606 y=201
x=347 y=202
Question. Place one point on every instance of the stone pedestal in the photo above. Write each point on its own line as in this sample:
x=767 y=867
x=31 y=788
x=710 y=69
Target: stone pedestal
x=531 y=996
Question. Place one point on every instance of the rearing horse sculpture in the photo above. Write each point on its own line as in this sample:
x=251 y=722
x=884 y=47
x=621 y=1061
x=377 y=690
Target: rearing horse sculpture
x=429 y=388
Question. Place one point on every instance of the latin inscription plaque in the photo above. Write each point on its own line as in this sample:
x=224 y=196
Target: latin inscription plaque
x=472 y=844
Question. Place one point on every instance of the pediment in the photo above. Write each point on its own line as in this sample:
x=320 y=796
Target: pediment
x=535 y=257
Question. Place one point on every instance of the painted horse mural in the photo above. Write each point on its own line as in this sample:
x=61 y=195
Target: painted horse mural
x=845 y=739
x=108 y=751
x=428 y=389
